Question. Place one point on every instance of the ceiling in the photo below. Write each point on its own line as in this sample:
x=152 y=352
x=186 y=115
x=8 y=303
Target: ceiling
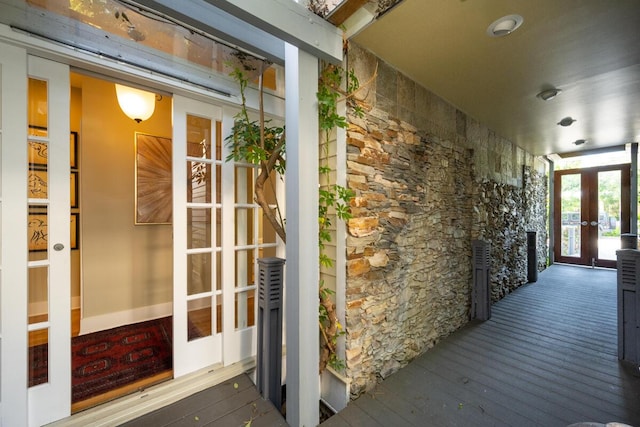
x=590 y=49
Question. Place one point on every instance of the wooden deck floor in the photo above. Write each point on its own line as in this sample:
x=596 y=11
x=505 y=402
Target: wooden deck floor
x=234 y=403
x=547 y=357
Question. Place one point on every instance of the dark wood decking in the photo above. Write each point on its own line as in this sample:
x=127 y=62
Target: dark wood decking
x=234 y=403
x=547 y=357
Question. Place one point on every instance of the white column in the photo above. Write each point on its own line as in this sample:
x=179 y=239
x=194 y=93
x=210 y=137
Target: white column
x=303 y=390
x=634 y=188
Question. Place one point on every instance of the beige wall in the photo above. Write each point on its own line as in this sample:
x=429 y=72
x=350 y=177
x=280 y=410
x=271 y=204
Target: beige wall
x=124 y=266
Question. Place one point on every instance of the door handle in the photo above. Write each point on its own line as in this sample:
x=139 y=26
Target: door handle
x=584 y=223
x=594 y=223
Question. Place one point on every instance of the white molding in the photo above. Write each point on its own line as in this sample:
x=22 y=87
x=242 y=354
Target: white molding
x=126 y=317
x=335 y=389
x=290 y=22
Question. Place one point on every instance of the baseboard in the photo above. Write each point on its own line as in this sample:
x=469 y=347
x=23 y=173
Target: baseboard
x=41 y=308
x=126 y=317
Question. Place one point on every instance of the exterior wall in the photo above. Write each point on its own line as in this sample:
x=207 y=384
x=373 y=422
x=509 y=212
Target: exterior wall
x=428 y=180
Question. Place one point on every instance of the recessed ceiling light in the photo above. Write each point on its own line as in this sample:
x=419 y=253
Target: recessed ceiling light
x=548 y=94
x=579 y=141
x=567 y=121
x=504 y=26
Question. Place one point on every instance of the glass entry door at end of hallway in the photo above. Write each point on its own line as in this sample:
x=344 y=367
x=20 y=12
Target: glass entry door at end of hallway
x=591 y=210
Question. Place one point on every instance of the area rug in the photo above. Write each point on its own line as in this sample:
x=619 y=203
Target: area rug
x=106 y=360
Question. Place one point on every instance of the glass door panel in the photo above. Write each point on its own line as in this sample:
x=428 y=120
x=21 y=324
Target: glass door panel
x=197 y=315
x=570 y=203
x=609 y=214
x=591 y=212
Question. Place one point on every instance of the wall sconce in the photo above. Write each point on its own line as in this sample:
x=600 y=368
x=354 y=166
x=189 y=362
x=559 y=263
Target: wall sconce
x=137 y=104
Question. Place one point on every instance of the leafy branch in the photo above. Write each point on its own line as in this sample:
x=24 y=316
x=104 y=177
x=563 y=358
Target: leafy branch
x=263 y=145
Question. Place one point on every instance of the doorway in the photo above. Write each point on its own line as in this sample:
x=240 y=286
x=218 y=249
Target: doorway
x=591 y=210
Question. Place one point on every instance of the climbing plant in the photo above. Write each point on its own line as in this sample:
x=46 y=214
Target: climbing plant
x=259 y=143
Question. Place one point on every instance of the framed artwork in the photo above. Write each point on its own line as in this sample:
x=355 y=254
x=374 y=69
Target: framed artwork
x=38 y=232
x=38 y=154
x=73 y=141
x=74 y=189
x=153 y=193
x=75 y=230
x=38 y=150
x=37 y=185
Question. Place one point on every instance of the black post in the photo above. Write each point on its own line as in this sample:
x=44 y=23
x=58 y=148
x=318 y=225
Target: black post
x=628 y=241
x=532 y=256
x=269 y=359
x=481 y=287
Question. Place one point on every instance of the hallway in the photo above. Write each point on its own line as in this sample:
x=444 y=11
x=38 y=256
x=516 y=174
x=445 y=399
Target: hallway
x=547 y=357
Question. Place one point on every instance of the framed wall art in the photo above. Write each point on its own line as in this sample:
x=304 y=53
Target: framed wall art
x=153 y=192
x=73 y=145
x=37 y=183
x=38 y=231
x=75 y=230
x=74 y=189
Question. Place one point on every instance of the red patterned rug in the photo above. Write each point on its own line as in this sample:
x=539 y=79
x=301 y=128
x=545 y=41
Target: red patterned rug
x=106 y=360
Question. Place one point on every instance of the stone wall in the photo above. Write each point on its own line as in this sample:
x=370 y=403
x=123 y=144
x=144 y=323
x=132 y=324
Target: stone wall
x=428 y=180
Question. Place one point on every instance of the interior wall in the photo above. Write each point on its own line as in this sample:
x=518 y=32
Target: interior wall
x=124 y=266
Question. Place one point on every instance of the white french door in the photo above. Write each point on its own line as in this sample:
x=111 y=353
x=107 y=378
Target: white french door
x=35 y=298
x=197 y=252
x=49 y=237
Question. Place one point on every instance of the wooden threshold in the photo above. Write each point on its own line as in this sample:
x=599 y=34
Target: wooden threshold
x=120 y=392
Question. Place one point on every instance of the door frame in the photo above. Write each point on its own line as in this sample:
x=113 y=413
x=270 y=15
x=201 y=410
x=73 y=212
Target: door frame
x=589 y=206
x=13 y=378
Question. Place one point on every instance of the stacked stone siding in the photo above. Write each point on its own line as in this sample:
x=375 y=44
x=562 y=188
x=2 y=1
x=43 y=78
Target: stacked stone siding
x=428 y=180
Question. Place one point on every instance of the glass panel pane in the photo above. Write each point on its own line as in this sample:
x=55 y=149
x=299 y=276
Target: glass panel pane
x=244 y=227
x=38 y=232
x=267 y=252
x=199 y=318
x=199 y=182
x=198 y=137
x=218 y=141
x=38 y=357
x=38 y=294
x=38 y=108
x=198 y=228
x=609 y=192
x=218 y=228
x=244 y=185
x=245 y=268
x=219 y=314
x=245 y=309
x=218 y=271
x=199 y=273
x=38 y=153
x=38 y=180
x=218 y=184
x=267 y=232
x=571 y=197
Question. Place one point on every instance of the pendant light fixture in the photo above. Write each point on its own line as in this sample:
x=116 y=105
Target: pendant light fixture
x=137 y=104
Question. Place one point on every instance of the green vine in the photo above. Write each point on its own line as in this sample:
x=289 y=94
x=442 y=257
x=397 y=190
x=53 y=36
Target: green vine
x=259 y=143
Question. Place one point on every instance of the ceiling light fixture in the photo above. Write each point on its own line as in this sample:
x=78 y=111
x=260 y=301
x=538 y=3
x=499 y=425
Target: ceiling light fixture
x=137 y=104
x=549 y=94
x=567 y=121
x=504 y=26
x=579 y=141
